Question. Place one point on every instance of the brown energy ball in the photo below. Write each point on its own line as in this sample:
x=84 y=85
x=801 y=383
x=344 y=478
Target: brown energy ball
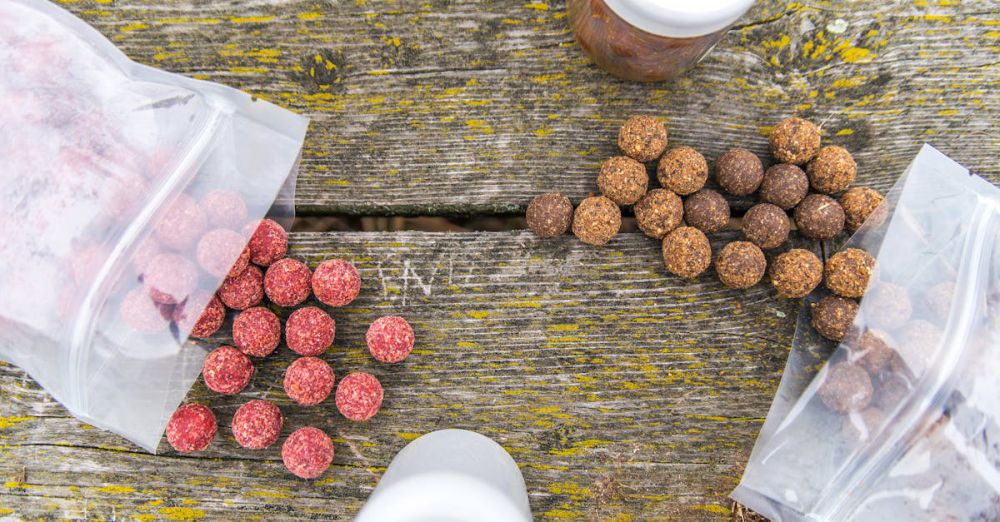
x=659 y=212
x=766 y=225
x=596 y=220
x=918 y=344
x=873 y=350
x=794 y=140
x=832 y=170
x=888 y=306
x=739 y=172
x=686 y=252
x=938 y=300
x=847 y=272
x=796 y=273
x=832 y=316
x=549 y=214
x=643 y=138
x=893 y=388
x=622 y=180
x=682 y=170
x=819 y=217
x=740 y=264
x=784 y=185
x=846 y=387
x=859 y=203
x=706 y=210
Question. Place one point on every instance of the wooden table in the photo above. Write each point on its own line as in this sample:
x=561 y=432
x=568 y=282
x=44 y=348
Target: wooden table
x=624 y=393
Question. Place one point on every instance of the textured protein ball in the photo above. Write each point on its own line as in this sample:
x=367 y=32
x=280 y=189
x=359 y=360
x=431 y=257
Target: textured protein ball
x=309 y=331
x=390 y=339
x=686 y=252
x=202 y=314
x=622 y=180
x=872 y=350
x=938 y=300
x=682 y=170
x=549 y=214
x=919 y=344
x=224 y=209
x=643 y=138
x=739 y=172
x=659 y=212
x=766 y=225
x=288 y=282
x=893 y=388
x=256 y=331
x=226 y=370
x=859 y=203
x=846 y=388
x=307 y=452
x=147 y=250
x=832 y=170
x=243 y=291
x=223 y=253
x=784 y=185
x=740 y=264
x=794 y=140
x=706 y=210
x=336 y=282
x=819 y=217
x=268 y=241
x=192 y=427
x=888 y=306
x=257 y=424
x=308 y=381
x=847 y=272
x=833 y=316
x=170 y=278
x=597 y=219
x=141 y=313
x=182 y=225
x=359 y=396
x=796 y=273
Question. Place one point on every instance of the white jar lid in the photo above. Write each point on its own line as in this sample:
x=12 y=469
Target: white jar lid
x=680 y=18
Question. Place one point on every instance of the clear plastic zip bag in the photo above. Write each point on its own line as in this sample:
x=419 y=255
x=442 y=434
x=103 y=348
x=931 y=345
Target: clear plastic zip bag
x=127 y=195
x=901 y=421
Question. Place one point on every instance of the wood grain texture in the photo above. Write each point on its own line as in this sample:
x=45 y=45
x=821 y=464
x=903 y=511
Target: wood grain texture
x=622 y=392
x=444 y=107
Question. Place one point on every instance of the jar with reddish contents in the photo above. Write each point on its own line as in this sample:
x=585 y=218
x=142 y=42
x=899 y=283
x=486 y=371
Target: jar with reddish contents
x=651 y=40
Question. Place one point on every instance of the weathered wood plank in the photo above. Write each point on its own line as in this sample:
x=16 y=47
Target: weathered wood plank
x=621 y=391
x=474 y=107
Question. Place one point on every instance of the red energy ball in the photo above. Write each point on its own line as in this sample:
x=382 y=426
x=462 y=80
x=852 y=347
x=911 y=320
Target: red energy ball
x=182 y=224
x=224 y=209
x=257 y=331
x=286 y=282
x=200 y=326
x=309 y=330
x=141 y=313
x=191 y=428
x=359 y=396
x=308 y=380
x=170 y=278
x=307 y=452
x=257 y=424
x=390 y=339
x=268 y=241
x=244 y=290
x=227 y=370
x=223 y=253
x=336 y=282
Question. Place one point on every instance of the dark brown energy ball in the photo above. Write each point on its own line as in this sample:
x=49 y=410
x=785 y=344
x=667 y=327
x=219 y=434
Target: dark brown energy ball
x=832 y=170
x=796 y=273
x=686 y=252
x=740 y=264
x=659 y=212
x=706 y=210
x=845 y=388
x=888 y=306
x=622 y=180
x=819 y=217
x=784 y=185
x=739 y=172
x=766 y=225
x=832 y=316
x=643 y=138
x=872 y=350
x=794 y=140
x=597 y=219
x=549 y=214
x=848 y=271
x=682 y=170
x=859 y=203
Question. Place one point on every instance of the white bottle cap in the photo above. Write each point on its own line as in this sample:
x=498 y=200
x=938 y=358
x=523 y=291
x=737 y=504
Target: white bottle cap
x=680 y=18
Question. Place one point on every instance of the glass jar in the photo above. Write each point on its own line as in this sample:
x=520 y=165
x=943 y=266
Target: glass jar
x=651 y=40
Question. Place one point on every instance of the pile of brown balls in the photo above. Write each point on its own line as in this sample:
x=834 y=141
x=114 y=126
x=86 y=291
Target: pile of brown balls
x=309 y=331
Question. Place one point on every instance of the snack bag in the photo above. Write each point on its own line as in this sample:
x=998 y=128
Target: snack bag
x=128 y=195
